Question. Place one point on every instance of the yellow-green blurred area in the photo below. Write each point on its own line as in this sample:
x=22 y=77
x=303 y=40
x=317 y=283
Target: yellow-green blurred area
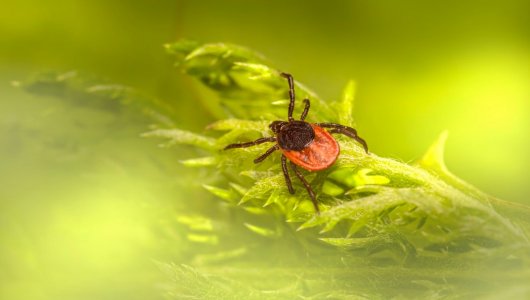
x=86 y=204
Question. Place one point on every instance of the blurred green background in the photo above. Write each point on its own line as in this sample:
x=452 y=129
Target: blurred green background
x=86 y=205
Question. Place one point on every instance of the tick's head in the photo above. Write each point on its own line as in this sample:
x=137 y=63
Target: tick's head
x=276 y=126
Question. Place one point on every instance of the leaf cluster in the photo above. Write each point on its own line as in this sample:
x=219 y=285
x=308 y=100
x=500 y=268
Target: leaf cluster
x=385 y=225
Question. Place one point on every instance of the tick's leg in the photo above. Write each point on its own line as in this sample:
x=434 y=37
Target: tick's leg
x=291 y=95
x=264 y=155
x=306 y=109
x=250 y=144
x=286 y=175
x=307 y=187
x=347 y=131
x=353 y=135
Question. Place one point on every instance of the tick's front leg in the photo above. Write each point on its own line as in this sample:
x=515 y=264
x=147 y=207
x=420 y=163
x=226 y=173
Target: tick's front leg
x=250 y=144
x=347 y=131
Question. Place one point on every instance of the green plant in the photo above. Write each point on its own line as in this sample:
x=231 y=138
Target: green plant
x=386 y=229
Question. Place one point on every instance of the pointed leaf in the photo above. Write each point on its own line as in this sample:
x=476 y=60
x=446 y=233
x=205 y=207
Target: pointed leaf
x=200 y=162
x=230 y=124
x=224 y=194
x=177 y=136
x=203 y=238
x=238 y=188
x=196 y=222
x=433 y=159
x=261 y=230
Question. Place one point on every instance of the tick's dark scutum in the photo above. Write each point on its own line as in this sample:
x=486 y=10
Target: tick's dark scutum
x=295 y=135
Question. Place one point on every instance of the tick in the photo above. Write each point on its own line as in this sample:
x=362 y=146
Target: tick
x=307 y=145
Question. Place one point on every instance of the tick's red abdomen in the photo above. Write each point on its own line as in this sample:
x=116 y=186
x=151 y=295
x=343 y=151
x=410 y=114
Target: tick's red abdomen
x=319 y=155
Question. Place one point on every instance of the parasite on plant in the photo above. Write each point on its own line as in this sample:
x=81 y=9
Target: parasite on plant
x=307 y=145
